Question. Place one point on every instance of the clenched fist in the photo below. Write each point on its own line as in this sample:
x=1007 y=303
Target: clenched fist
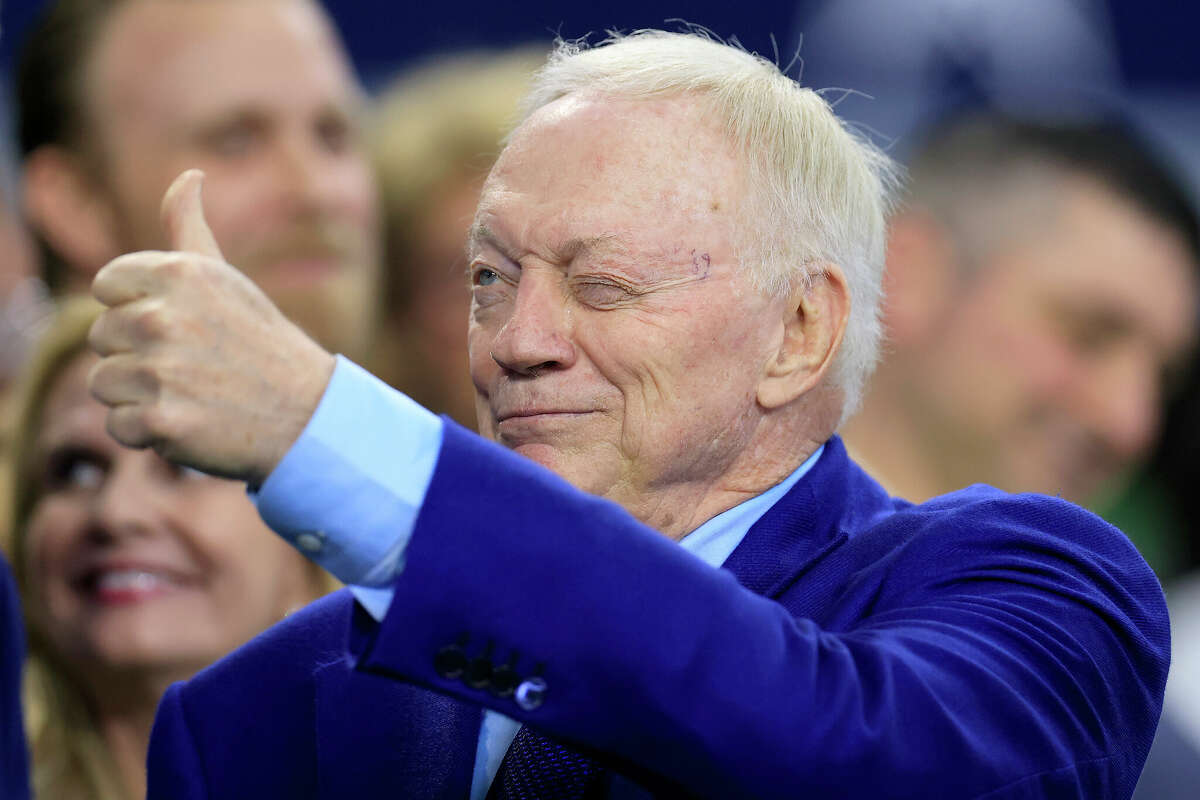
x=197 y=362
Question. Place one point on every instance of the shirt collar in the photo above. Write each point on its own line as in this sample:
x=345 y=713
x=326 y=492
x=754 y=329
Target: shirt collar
x=713 y=541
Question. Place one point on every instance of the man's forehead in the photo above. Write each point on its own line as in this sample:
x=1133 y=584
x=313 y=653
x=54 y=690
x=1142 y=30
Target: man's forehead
x=638 y=150
x=213 y=56
x=592 y=116
x=496 y=233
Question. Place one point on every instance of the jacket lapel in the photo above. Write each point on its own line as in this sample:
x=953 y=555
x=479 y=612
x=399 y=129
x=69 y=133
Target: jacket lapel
x=810 y=521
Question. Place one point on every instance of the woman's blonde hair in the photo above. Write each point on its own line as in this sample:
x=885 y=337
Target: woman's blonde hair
x=70 y=758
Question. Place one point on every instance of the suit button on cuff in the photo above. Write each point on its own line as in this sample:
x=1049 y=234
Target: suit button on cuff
x=450 y=662
x=530 y=693
x=504 y=681
x=479 y=673
x=310 y=542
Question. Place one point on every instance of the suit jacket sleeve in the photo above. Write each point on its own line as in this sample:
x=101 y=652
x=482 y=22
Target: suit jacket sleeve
x=174 y=759
x=14 y=765
x=992 y=647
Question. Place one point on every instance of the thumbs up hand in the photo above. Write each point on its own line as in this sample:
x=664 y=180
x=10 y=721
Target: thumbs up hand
x=196 y=361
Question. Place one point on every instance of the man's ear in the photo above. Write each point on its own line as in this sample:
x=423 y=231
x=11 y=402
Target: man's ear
x=813 y=327
x=65 y=205
x=919 y=278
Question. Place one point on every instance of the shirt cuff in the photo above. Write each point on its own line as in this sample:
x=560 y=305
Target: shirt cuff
x=348 y=492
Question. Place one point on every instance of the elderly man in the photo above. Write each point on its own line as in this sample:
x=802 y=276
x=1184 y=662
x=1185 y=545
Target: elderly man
x=117 y=97
x=1042 y=292
x=675 y=268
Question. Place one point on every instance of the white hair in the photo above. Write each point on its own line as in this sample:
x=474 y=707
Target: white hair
x=820 y=193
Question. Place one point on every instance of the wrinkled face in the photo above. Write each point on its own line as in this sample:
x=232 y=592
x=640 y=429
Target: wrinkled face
x=612 y=336
x=135 y=564
x=259 y=96
x=1048 y=374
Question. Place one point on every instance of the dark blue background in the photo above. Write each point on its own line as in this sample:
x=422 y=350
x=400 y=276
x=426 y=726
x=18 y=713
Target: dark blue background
x=1157 y=40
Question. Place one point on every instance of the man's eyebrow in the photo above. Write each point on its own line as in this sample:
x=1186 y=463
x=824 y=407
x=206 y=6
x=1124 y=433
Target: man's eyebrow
x=582 y=244
x=480 y=233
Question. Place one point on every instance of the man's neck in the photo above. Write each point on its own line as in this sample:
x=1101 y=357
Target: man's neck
x=681 y=509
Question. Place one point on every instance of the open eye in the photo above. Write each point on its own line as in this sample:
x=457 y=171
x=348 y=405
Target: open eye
x=73 y=468
x=336 y=132
x=483 y=276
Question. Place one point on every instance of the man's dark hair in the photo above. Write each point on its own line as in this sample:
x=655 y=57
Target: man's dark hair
x=977 y=148
x=51 y=105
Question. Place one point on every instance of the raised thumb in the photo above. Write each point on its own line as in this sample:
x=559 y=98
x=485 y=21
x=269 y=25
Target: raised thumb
x=183 y=216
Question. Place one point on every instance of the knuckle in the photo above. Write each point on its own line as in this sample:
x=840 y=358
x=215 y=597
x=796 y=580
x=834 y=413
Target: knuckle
x=180 y=267
x=98 y=380
x=152 y=321
x=99 y=337
x=127 y=426
x=163 y=422
x=147 y=377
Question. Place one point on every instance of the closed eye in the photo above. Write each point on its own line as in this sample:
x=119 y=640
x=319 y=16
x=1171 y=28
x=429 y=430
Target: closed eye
x=602 y=293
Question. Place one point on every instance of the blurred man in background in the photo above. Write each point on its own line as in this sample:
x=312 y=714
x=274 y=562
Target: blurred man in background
x=1041 y=305
x=1042 y=293
x=117 y=96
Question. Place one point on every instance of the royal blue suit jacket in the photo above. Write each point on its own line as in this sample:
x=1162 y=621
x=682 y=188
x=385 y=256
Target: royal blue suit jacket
x=978 y=645
x=14 y=764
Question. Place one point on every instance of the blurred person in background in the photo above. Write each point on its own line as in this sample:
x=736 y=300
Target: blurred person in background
x=23 y=301
x=134 y=574
x=1041 y=309
x=1041 y=297
x=434 y=137
x=16 y=270
x=116 y=97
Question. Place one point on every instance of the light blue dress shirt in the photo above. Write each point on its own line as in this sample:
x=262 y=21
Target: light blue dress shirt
x=385 y=448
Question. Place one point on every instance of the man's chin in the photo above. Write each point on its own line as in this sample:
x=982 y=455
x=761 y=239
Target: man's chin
x=570 y=466
x=543 y=453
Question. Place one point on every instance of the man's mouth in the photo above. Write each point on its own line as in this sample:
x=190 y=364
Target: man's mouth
x=517 y=426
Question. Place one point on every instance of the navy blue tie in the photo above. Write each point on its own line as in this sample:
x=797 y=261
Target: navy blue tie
x=537 y=768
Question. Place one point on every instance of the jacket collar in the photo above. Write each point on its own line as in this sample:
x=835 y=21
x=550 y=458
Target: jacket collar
x=819 y=514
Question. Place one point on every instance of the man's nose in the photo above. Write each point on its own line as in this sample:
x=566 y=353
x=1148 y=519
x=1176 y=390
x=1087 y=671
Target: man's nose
x=1127 y=409
x=538 y=332
x=308 y=173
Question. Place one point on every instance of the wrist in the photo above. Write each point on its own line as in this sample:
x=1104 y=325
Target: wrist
x=301 y=404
